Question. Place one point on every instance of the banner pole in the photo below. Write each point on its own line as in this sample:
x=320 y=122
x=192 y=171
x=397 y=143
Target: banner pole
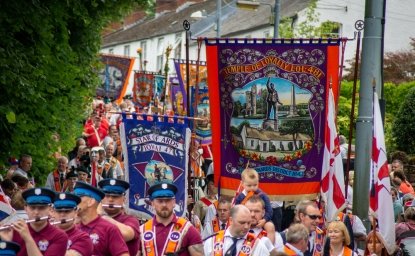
x=186 y=26
x=352 y=112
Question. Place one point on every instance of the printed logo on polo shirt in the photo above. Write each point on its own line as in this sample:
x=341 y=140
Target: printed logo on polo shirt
x=246 y=249
x=43 y=245
x=218 y=246
x=69 y=245
x=94 y=238
x=148 y=236
x=175 y=236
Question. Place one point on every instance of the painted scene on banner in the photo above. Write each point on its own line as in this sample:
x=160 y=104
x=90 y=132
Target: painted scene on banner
x=271 y=102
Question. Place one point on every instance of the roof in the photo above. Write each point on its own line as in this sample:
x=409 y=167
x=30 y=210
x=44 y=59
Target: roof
x=234 y=20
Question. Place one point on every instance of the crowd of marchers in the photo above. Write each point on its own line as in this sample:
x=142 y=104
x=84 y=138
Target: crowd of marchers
x=79 y=210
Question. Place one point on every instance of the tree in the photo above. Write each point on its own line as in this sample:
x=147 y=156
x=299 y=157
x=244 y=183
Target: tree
x=404 y=124
x=48 y=63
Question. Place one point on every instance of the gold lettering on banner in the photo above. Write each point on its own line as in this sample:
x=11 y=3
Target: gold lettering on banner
x=272 y=60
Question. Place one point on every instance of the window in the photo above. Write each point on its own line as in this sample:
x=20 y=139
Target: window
x=160 y=54
x=126 y=50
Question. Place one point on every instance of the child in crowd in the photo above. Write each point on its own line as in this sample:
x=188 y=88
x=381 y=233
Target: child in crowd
x=250 y=181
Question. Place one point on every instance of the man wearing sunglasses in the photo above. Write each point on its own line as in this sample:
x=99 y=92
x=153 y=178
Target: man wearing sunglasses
x=308 y=214
x=65 y=208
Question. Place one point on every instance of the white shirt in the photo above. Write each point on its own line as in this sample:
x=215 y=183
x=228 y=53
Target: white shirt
x=259 y=247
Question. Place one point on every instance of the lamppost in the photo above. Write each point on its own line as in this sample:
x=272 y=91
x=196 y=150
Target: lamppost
x=253 y=5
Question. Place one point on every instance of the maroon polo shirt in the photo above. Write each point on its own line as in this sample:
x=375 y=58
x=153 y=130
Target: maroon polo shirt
x=105 y=237
x=50 y=241
x=192 y=237
x=135 y=225
x=79 y=241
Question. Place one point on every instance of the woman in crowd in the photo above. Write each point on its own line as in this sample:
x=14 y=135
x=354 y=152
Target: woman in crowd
x=339 y=240
x=375 y=245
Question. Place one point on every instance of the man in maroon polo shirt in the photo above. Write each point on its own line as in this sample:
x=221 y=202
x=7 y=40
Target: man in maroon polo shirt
x=39 y=237
x=165 y=232
x=105 y=236
x=113 y=206
x=65 y=207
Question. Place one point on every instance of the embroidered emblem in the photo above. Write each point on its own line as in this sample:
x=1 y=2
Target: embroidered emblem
x=175 y=236
x=164 y=186
x=218 y=246
x=43 y=245
x=148 y=236
x=94 y=238
x=318 y=247
x=246 y=249
x=62 y=196
x=3 y=245
x=69 y=245
x=112 y=182
x=38 y=191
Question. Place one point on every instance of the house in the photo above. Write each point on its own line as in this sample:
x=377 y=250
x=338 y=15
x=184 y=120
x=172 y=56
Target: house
x=153 y=36
x=268 y=141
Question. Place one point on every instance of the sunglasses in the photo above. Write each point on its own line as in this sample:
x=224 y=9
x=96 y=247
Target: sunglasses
x=314 y=217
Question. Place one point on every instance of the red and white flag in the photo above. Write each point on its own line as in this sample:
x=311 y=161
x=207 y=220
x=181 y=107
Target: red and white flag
x=381 y=205
x=332 y=178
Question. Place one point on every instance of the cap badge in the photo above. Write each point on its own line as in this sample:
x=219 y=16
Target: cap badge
x=3 y=245
x=164 y=186
x=62 y=196
x=112 y=182
x=38 y=191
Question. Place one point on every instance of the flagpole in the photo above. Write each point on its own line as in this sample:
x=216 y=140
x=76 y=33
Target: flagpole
x=352 y=112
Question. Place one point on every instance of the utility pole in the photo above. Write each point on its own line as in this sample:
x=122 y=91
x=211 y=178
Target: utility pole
x=370 y=74
x=277 y=6
x=218 y=17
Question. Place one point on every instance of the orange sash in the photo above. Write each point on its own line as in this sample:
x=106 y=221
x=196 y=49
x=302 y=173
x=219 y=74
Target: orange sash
x=174 y=239
x=318 y=242
x=246 y=249
x=215 y=225
x=289 y=251
x=57 y=184
x=347 y=251
x=247 y=197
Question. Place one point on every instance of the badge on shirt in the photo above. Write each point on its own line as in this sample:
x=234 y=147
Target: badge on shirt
x=218 y=246
x=94 y=238
x=43 y=245
x=148 y=236
x=175 y=236
x=246 y=249
x=69 y=245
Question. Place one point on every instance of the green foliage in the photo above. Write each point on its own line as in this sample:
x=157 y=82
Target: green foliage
x=48 y=59
x=308 y=28
x=404 y=124
x=393 y=95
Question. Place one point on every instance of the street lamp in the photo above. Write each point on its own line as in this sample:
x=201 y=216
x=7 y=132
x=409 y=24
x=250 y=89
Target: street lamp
x=253 y=5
